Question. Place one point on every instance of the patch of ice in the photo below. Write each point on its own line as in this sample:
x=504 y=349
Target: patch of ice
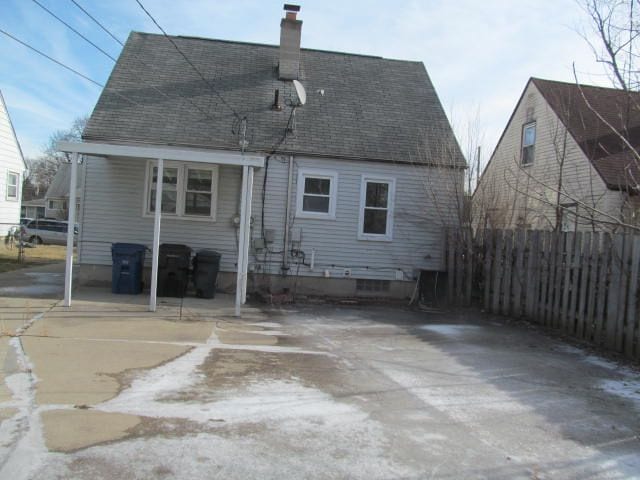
x=449 y=329
x=628 y=388
x=275 y=333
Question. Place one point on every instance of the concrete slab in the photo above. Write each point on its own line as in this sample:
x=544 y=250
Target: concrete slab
x=70 y=430
x=86 y=372
x=311 y=392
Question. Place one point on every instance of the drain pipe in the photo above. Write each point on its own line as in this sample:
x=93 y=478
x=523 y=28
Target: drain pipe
x=285 y=254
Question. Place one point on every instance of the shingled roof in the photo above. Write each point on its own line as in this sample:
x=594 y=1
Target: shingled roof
x=358 y=107
x=576 y=106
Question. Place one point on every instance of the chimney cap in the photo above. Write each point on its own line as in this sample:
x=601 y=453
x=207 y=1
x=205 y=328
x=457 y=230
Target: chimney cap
x=289 y=7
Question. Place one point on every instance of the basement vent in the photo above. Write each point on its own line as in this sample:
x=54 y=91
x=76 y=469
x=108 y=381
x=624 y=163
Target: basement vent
x=367 y=285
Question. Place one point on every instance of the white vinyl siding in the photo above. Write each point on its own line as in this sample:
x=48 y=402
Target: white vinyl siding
x=10 y=161
x=420 y=213
x=317 y=190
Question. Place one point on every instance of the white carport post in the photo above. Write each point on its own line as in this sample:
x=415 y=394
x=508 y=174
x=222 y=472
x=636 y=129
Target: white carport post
x=156 y=236
x=243 y=237
x=71 y=224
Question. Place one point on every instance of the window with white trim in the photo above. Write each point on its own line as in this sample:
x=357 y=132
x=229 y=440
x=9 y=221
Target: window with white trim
x=316 y=193
x=188 y=190
x=376 y=208
x=13 y=180
x=528 y=143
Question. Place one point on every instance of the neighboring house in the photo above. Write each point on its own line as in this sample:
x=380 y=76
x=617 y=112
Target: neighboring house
x=33 y=208
x=564 y=161
x=351 y=192
x=12 y=170
x=57 y=196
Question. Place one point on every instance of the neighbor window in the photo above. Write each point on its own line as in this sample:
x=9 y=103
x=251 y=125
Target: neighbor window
x=187 y=190
x=57 y=205
x=376 y=208
x=528 y=143
x=12 y=185
x=316 y=193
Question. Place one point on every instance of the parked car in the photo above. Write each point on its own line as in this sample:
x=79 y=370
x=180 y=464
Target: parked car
x=47 y=231
x=25 y=220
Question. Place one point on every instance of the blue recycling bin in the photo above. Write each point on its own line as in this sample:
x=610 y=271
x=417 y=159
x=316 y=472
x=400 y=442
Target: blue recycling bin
x=128 y=264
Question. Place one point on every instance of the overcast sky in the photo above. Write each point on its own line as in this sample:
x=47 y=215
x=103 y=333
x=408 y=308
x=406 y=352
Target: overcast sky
x=479 y=54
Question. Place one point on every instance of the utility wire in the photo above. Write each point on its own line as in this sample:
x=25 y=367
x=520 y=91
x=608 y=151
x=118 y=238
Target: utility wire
x=137 y=57
x=97 y=22
x=213 y=89
x=52 y=59
x=57 y=62
x=72 y=29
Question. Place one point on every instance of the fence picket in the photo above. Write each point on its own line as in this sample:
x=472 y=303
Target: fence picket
x=518 y=246
x=548 y=316
x=593 y=285
x=631 y=300
x=557 y=300
x=613 y=293
x=506 y=279
x=468 y=236
x=584 y=276
x=603 y=278
x=574 y=285
x=564 y=315
x=488 y=256
x=625 y=262
x=497 y=272
x=544 y=276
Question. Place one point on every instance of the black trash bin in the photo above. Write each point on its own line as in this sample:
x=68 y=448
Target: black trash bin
x=173 y=270
x=206 y=265
x=128 y=264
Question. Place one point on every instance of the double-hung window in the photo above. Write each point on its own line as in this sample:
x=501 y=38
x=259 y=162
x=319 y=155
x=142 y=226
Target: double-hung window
x=13 y=179
x=316 y=193
x=376 y=208
x=528 y=143
x=188 y=190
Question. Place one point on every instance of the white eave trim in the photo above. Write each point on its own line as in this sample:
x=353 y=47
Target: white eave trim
x=164 y=152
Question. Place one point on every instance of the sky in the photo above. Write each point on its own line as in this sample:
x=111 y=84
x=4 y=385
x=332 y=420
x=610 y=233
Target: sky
x=479 y=54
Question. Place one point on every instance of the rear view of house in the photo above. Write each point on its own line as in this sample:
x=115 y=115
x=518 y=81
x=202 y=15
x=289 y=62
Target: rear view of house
x=12 y=169
x=567 y=159
x=314 y=171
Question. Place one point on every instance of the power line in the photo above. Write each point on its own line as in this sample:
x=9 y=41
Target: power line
x=52 y=59
x=97 y=22
x=137 y=57
x=73 y=29
x=213 y=89
x=57 y=62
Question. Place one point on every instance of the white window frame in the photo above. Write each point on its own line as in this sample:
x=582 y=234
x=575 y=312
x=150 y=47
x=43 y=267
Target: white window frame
x=525 y=127
x=11 y=198
x=332 y=176
x=380 y=237
x=181 y=189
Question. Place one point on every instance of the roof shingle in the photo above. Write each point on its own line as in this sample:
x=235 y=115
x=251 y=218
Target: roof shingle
x=371 y=108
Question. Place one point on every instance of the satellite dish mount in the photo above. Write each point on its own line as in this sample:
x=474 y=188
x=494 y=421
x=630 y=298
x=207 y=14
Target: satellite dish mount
x=302 y=99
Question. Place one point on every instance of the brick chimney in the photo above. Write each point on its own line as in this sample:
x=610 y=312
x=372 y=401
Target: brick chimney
x=290 y=31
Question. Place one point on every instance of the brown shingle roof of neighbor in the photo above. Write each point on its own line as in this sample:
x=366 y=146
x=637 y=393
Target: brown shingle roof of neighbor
x=358 y=107
x=576 y=106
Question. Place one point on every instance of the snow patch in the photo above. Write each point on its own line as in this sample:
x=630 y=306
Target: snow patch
x=450 y=330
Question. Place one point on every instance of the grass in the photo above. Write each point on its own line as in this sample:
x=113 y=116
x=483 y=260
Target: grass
x=39 y=255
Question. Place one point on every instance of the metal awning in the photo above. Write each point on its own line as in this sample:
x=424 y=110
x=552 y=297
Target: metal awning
x=162 y=153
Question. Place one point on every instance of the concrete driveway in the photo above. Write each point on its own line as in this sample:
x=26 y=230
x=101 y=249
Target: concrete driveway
x=107 y=390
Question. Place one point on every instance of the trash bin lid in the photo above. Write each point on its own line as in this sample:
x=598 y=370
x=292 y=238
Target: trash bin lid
x=208 y=255
x=127 y=248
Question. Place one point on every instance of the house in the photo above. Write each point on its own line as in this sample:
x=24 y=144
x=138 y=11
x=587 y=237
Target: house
x=56 y=200
x=567 y=160
x=12 y=170
x=344 y=192
x=34 y=208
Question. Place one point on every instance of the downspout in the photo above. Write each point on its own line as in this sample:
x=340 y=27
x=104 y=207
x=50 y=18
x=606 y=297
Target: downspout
x=285 y=249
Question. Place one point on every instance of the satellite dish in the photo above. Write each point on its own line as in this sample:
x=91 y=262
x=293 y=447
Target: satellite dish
x=302 y=95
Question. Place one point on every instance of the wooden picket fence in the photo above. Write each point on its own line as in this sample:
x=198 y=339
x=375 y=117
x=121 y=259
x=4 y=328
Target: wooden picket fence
x=582 y=284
